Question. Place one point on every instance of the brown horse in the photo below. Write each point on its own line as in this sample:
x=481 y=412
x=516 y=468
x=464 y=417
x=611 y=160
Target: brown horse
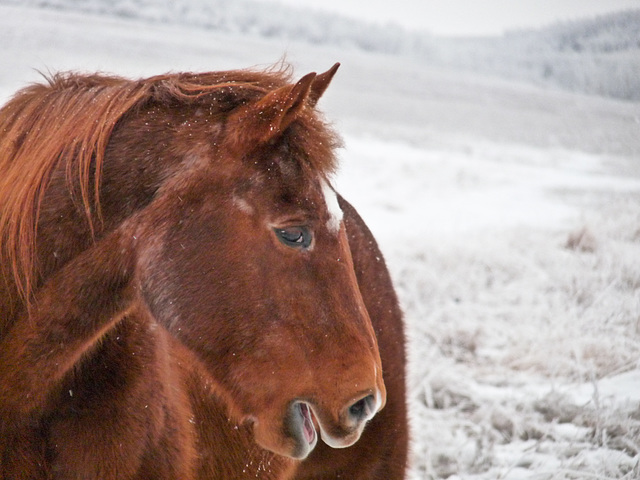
x=182 y=293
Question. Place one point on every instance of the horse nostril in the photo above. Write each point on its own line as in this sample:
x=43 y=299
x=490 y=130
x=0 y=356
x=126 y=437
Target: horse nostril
x=363 y=408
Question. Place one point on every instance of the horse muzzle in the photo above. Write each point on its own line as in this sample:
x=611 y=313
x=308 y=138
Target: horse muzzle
x=338 y=431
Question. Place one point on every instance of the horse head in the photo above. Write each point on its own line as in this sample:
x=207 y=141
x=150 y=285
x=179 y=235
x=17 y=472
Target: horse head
x=243 y=257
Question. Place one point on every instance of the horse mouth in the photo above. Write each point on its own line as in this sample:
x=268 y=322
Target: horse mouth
x=308 y=429
x=302 y=429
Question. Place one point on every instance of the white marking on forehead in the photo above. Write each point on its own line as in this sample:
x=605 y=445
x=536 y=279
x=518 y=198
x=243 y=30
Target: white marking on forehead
x=241 y=204
x=335 y=212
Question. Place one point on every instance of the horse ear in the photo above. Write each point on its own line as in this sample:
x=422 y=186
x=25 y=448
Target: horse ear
x=320 y=84
x=269 y=117
x=288 y=101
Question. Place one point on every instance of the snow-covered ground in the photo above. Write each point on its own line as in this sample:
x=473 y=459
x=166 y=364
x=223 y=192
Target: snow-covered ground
x=508 y=214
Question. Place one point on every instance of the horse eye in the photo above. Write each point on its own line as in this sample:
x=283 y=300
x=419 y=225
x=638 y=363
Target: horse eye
x=295 y=237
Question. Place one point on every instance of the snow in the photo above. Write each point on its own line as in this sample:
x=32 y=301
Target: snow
x=508 y=215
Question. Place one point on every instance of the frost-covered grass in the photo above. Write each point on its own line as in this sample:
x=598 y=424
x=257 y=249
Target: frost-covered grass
x=518 y=270
x=503 y=332
x=510 y=219
x=521 y=288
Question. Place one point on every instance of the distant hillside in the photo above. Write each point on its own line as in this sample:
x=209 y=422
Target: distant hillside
x=598 y=56
x=605 y=34
x=270 y=20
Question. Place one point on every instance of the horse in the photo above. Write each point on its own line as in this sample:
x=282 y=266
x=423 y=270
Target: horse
x=183 y=294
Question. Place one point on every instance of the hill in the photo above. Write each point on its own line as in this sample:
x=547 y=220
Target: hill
x=598 y=56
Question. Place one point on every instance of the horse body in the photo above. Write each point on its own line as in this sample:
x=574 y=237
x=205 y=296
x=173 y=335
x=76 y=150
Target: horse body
x=181 y=296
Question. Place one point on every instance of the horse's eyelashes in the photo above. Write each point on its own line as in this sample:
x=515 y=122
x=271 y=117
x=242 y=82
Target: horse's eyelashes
x=295 y=237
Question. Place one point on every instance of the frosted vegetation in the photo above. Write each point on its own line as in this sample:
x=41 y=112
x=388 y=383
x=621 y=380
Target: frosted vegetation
x=508 y=209
x=519 y=273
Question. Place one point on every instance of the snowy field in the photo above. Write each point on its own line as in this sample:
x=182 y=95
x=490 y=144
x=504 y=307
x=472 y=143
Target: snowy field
x=509 y=216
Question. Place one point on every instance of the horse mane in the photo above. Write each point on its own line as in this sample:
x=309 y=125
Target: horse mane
x=67 y=123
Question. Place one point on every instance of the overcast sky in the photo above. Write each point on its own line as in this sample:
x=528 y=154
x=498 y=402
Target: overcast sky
x=468 y=17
